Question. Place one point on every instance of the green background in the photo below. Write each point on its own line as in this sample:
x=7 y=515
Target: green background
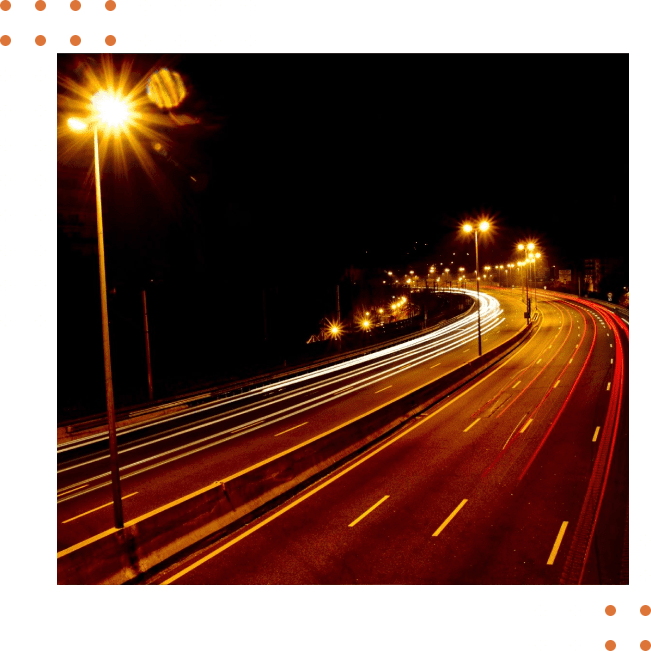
x=37 y=613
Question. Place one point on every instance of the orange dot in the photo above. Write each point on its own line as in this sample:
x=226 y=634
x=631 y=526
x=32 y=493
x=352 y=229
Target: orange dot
x=75 y=40
x=645 y=645
x=5 y=5
x=75 y=5
x=645 y=610
x=110 y=40
x=40 y=40
x=610 y=610
x=40 y=5
x=5 y=40
x=610 y=645
x=110 y=5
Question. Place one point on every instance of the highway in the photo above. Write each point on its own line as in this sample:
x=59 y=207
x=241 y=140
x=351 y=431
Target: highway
x=505 y=472
x=519 y=478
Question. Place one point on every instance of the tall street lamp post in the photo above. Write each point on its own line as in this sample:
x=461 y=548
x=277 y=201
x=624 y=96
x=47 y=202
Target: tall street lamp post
x=113 y=112
x=469 y=228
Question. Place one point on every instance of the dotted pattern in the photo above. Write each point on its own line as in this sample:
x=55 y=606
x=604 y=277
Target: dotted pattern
x=40 y=214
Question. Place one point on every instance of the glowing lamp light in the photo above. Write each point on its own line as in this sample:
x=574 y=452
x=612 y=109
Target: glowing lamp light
x=531 y=246
x=76 y=124
x=110 y=109
x=484 y=226
x=467 y=228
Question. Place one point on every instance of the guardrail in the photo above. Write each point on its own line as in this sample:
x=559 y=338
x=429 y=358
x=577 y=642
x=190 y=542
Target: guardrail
x=222 y=391
x=147 y=542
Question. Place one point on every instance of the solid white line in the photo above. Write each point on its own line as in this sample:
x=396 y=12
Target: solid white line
x=354 y=522
x=469 y=426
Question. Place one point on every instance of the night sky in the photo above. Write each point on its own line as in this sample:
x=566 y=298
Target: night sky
x=300 y=167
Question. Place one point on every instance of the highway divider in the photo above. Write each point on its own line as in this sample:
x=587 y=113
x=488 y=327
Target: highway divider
x=147 y=542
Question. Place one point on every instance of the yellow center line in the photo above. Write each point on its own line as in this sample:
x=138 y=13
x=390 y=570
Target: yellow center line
x=516 y=384
x=447 y=520
x=435 y=365
x=385 y=388
x=97 y=508
x=557 y=383
x=71 y=490
x=557 y=544
x=571 y=360
x=471 y=424
x=596 y=433
x=291 y=428
x=526 y=425
x=354 y=522
x=608 y=387
x=540 y=360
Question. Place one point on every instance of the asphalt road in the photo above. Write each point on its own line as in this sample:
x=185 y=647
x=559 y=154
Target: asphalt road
x=163 y=461
x=518 y=478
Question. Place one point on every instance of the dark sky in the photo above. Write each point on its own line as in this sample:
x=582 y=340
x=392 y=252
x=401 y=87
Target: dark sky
x=301 y=167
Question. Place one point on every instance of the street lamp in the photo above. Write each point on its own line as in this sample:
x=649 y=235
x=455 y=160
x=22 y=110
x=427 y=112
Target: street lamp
x=469 y=228
x=111 y=112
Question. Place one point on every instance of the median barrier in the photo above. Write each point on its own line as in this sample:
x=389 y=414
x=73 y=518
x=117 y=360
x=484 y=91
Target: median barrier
x=117 y=556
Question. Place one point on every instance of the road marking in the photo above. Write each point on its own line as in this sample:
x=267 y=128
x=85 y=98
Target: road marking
x=354 y=522
x=516 y=384
x=557 y=544
x=467 y=349
x=385 y=388
x=611 y=360
x=608 y=387
x=71 y=490
x=571 y=360
x=557 y=383
x=526 y=425
x=596 y=433
x=540 y=360
x=291 y=428
x=97 y=508
x=253 y=422
x=576 y=346
x=471 y=424
x=611 y=345
x=435 y=365
x=447 y=521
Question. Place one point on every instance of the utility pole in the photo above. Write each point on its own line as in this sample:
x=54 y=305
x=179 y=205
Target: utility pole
x=150 y=386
